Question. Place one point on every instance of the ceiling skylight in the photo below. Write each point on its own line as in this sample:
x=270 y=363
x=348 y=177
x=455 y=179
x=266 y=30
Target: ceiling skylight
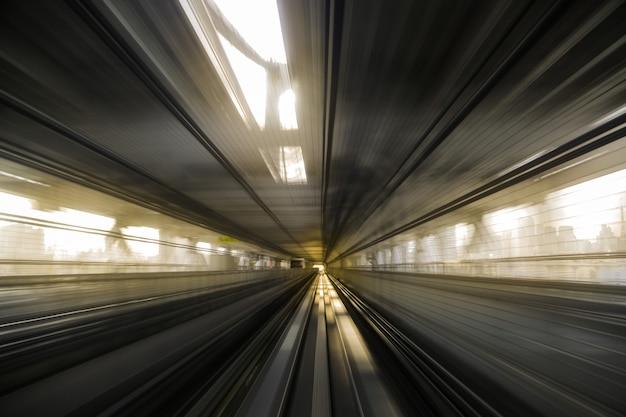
x=258 y=23
x=287 y=110
x=251 y=78
x=286 y=164
x=243 y=40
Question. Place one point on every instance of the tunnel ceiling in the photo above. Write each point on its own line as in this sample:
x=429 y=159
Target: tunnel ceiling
x=405 y=109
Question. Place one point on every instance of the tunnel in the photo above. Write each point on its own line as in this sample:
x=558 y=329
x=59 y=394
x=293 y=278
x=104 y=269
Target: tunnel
x=313 y=208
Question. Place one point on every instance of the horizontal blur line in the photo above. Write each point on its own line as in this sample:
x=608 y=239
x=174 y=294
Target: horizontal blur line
x=121 y=304
x=81 y=263
x=89 y=310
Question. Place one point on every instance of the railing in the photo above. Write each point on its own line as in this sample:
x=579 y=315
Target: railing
x=604 y=268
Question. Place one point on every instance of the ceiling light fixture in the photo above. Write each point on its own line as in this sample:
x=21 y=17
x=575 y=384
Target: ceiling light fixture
x=286 y=164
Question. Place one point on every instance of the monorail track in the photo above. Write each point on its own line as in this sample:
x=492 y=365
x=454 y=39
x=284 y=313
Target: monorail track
x=304 y=346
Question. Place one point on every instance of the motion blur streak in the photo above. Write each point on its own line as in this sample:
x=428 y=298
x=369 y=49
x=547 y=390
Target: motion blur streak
x=313 y=208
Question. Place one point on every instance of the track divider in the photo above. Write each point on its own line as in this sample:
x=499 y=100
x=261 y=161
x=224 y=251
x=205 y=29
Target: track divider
x=267 y=396
x=320 y=406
